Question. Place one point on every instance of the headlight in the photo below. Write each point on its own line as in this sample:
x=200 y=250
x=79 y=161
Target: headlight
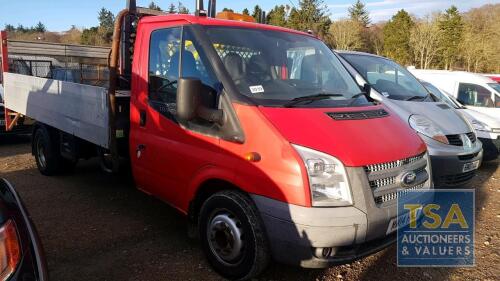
x=327 y=178
x=427 y=128
x=480 y=126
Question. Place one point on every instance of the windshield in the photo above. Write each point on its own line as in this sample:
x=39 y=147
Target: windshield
x=273 y=68
x=442 y=96
x=387 y=77
x=495 y=86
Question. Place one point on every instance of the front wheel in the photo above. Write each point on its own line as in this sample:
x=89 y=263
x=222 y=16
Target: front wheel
x=233 y=236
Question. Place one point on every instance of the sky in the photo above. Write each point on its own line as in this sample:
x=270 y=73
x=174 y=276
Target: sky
x=60 y=15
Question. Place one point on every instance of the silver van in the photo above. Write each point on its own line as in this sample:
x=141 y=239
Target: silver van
x=455 y=151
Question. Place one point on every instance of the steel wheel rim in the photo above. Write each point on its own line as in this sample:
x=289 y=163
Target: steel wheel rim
x=225 y=237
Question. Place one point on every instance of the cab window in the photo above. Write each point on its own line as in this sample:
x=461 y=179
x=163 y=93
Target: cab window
x=164 y=57
x=475 y=95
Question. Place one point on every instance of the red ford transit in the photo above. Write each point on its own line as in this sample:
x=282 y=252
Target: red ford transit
x=257 y=133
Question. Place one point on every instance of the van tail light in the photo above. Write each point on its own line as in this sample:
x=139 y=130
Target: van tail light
x=10 y=251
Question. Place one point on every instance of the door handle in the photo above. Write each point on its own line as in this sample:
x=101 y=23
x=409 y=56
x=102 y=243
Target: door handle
x=142 y=118
x=140 y=148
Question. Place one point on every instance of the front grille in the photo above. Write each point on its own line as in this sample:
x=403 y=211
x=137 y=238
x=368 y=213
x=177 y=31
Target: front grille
x=457 y=179
x=468 y=156
x=472 y=137
x=455 y=140
x=383 y=182
x=386 y=178
x=358 y=115
x=393 y=164
x=395 y=195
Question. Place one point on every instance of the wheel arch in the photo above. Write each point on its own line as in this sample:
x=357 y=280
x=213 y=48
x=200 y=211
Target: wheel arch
x=204 y=190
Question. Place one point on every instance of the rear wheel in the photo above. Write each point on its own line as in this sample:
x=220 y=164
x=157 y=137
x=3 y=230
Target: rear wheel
x=233 y=236
x=45 y=151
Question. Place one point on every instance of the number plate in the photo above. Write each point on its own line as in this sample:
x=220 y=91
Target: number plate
x=398 y=222
x=471 y=166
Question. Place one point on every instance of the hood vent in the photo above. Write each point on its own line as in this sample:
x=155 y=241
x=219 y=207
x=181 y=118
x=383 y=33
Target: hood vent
x=443 y=106
x=358 y=115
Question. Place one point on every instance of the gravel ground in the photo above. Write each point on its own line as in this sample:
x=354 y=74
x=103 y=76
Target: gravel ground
x=98 y=227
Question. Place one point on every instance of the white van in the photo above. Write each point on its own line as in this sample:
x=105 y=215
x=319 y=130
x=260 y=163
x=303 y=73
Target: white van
x=475 y=91
x=487 y=127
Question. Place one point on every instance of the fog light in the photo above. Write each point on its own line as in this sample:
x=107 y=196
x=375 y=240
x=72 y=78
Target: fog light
x=324 y=253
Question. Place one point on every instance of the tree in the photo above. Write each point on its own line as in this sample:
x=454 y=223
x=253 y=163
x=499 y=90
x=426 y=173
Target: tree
x=277 y=16
x=172 y=9
x=181 y=9
x=358 y=12
x=228 y=10
x=153 y=6
x=106 y=26
x=40 y=28
x=397 y=38
x=21 y=29
x=375 y=35
x=425 y=38
x=257 y=11
x=311 y=15
x=346 y=34
x=10 y=28
x=246 y=12
x=91 y=36
x=452 y=27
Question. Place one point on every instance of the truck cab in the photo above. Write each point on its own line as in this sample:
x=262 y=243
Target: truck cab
x=272 y=113
x=258 y=134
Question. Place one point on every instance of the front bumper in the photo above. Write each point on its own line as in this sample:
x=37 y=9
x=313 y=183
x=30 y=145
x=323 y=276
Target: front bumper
x=491 y=148
x=448 y=170
x=322 y=237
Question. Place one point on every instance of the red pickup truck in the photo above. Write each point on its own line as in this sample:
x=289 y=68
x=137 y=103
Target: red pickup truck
x=256 y=133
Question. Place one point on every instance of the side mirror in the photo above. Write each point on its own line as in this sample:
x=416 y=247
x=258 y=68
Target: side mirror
x=367 y=88
x=188 y=98
x=189 y=102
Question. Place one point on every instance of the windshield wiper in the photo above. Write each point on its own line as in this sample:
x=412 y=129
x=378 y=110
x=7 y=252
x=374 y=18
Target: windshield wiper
x=416 y=98
x=311 y=98
x=356 y=96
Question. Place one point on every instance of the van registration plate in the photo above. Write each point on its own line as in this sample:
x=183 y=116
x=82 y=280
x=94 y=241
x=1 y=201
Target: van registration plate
x=471 y=166
x=398 y=222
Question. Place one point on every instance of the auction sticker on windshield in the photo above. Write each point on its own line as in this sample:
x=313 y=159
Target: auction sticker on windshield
x=257 y=89
x=440 y=232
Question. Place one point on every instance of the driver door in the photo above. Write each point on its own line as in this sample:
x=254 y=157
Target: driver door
x=166 y=155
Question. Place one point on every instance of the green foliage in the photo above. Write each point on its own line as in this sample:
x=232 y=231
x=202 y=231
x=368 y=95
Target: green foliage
x=172 y=9
x=358 y=12
x=257 y=11
x=278 y=16
x=311 y=15
x=397 y=38
x=452 y=27
x=10 y=28
x=153 y=6
x=228 y=10
x=181 y=9
x=40 y=27
x=90 y=36
x=246 y=12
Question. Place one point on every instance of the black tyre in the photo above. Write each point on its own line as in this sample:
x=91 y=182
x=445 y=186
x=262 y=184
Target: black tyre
x=46 y=153
x=233 y=236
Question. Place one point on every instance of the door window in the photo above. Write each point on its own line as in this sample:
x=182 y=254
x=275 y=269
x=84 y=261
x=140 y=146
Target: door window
x=164 y=58
x=474 y=95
